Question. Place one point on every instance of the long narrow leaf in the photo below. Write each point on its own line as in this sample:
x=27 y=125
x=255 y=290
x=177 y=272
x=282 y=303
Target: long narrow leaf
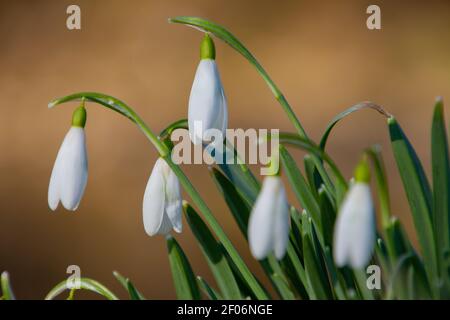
x=7 y=293
x=214 y=254
x=128 y=285
x=301 y=189
x=316 y=274
x=207 y=289
x=418 y=193
x=441 y=185
x=239 y=208
x=184 y=280
x=345 y=113
x=382 y=184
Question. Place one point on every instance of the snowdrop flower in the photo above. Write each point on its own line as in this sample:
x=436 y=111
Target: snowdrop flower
x=268 y=228
x=70 y=172
x=162 y=201
x=207 y=102
x=354 y=232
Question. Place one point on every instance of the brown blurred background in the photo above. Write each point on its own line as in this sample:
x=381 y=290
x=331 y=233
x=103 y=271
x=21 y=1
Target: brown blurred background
x=320 y=54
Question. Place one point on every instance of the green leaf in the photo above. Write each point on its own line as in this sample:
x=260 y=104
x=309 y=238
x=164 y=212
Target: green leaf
x=207 y=289
x=214 y=254
x=361 y=279
x=179 y=124
x=402 y=284
x=339 y=188
x=6 y=287
x=183 y=277
x=382 y=184
x=345 y=113
x=301 y=189
x=85 y=284
x=241 y=176
x=128 y=285
x=327 y=216
x=314 y=179
x=418 y=194
x=296 y=231
x=337 y=283
x=239 y=208
x=399 y=243
x=314 y=270
x=441 y=185
x=284 y=287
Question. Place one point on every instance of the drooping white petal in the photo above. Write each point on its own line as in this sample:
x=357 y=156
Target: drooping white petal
x=222 y=121
x=154 y=200
x=261 y=222
x=281 y=224
x=53 y=188
x=173 y=201
x=162 y=201
x=354 y=236
x=70 y=172
x=207 y=102
x=74 y=169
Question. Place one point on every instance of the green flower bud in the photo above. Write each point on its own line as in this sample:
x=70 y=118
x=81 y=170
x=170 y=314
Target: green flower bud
x=274 y=166
x=362 y=171
x=79 y=117
x=207 y=48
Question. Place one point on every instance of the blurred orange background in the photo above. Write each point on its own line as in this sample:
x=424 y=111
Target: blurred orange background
x=321 y=55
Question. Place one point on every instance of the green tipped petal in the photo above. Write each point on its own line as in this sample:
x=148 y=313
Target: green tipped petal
x=362 y=171
x=79 y=117
x=207 y=48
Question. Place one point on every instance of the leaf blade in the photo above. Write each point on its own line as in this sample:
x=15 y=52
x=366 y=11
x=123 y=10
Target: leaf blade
x=418 y=193
x=214 y=254
x=183 y=277
x=441 y=184
x=6 y=287
x=128 y=285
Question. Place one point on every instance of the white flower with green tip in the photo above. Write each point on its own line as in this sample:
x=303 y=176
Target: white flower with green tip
x=354 y=231
x=268 y=226
x=162 y=201
x=70 y=171
x=207 y=102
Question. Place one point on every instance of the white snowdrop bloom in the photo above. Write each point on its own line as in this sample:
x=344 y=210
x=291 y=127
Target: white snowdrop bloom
x=354 y=231
x=268 y=228
x=70 y=171
x=162 y=201
x=207 y=102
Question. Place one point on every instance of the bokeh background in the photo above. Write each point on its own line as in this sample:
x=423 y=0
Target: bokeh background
x=320 y=54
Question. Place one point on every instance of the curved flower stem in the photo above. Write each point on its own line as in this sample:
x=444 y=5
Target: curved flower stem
x=119 y=106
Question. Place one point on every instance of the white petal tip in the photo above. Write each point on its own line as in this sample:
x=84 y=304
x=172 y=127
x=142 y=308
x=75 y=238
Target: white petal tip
x=178 y=229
